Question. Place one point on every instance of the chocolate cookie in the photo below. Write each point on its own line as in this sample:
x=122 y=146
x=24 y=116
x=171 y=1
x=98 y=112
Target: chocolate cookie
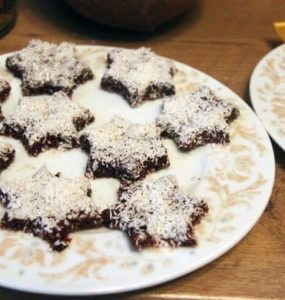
x=7 y=155
x=123 y=150
x=46 y=122
x=154 y=213
x=138 y=75
x=49 y=206
x=46 y=68
x=197 y=118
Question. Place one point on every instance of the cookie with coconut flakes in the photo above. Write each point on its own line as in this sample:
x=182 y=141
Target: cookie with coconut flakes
x=49 y=206
x=197 y=118
x=46 y=68
x=154 y=213
x=49 y=121
x=138 y=75
x=123 y=149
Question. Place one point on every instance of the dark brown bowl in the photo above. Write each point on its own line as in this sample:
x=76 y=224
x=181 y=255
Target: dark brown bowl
x=139 y=15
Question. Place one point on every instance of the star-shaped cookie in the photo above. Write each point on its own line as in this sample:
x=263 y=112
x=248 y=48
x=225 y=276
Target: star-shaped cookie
x=197 y=118
x=154 y=213
x=49 y=206
x=45 y=68
x=46 y=122
x=138 y=75
x=124 y=150
x=7 y=155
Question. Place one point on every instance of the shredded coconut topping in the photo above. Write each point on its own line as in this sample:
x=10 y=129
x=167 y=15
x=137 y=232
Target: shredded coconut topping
x=48 y=199
x=54 y=115
x=186 y=117
x=158 y=209
x=138 y=70
x=122 y=144
x=43 y=64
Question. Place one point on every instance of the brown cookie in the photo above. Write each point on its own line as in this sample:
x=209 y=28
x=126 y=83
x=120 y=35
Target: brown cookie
x=124 y=150
x=46 y=68
x=197 y=118
x=49 y=206
x=138 y=75
x=154 y=213
x=46 y=122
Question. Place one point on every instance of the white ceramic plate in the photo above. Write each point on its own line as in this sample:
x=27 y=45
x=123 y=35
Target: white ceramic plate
x=267 y=92
x=236 y=180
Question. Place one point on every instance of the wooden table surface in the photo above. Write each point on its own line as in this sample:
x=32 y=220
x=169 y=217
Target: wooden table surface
x=224 y=38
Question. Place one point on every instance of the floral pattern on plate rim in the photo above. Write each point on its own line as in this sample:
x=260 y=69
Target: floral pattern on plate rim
x=267 y=89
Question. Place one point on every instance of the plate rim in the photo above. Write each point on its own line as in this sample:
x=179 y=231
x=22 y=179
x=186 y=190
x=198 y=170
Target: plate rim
x=254 y=97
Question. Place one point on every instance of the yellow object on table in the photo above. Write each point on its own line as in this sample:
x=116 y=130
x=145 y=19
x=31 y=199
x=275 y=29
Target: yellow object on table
x=280 y=30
